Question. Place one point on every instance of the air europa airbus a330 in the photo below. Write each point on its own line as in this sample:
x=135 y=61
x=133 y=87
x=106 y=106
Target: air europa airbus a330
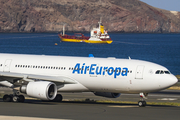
x=43 y=76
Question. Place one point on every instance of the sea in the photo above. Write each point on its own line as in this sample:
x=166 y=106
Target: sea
x=163 y=49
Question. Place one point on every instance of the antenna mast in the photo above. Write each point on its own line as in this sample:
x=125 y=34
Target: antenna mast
x=100 y=22
x=63 y=30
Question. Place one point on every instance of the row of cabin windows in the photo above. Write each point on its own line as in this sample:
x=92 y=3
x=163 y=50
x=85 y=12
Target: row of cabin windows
x=58 y=68
x=40 y=67
x=105 y=70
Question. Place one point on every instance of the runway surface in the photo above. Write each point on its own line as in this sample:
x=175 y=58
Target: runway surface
x=87 y=111
x=38 y=110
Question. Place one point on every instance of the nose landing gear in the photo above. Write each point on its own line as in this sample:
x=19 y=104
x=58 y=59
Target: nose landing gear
x=142 y=102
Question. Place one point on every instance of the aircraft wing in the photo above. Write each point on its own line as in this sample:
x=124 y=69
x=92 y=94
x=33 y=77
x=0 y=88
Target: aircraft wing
x=14 y=77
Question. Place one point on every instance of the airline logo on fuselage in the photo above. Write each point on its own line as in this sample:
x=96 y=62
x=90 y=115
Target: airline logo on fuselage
x=93 y=69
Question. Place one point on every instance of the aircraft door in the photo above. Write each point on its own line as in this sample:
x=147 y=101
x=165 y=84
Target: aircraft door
x=1 y=67
x=7 y=65
x=139 y=72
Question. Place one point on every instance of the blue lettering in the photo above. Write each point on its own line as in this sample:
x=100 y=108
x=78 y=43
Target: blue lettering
x=124 y=72
x=110 y=71
x=76 y=68
x=94 y=69
x=105 y=68
x=82 y=68
x=98 y=72
x=117 y=72
x=86 y=67
x=91 y=69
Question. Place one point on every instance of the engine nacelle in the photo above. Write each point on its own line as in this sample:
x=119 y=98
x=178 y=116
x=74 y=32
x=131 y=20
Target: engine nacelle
x=42 y=89
x=107 y=94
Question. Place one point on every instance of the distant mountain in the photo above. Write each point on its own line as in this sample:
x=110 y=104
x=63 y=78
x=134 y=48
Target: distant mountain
x=82 y=15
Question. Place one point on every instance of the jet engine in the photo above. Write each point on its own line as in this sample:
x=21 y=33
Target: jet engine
x=42 y=89
x=107 y=94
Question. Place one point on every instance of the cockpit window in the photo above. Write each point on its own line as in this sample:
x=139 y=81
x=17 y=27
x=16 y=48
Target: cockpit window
x=167 y=72
x=162 y=72
x=157 y=72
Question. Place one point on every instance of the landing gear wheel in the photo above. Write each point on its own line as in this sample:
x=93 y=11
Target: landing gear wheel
x=18 y=98
x=15 y=98
x=7 y=98
x=21 y=98
x=142 y=103
x=58 y=98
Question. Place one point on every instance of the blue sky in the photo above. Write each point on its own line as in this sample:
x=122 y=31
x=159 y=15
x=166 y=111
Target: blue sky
x=172 y=5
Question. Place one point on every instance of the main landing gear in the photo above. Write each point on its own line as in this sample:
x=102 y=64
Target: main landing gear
x=58 y=98
x=142 y=102
x=15 y=97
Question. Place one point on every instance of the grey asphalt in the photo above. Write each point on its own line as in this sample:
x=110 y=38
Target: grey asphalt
x=88 y=111
x=96 y=111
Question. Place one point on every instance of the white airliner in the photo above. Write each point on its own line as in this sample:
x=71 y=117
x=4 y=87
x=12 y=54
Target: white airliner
x=43 y=76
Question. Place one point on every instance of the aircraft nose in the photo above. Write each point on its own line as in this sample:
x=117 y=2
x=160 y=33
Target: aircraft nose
x=173 y=80
x=167 y=81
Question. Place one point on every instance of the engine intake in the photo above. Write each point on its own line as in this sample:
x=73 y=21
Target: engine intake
x=107 y=94
x=42 y=89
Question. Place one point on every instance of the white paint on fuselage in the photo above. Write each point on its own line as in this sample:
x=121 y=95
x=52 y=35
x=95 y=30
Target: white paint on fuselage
x=85 y=82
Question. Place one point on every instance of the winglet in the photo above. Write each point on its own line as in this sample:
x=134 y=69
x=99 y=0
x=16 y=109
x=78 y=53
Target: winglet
x=91 y=55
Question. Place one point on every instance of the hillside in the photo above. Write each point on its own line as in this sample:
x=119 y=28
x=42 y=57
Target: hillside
x=82 y=15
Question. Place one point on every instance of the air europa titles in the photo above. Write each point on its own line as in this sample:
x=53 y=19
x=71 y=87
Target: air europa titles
x=93 y=69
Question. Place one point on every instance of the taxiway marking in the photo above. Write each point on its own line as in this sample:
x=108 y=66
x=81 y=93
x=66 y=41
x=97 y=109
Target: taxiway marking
x=26 y=118
x=170 y=99
x=124 y=106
